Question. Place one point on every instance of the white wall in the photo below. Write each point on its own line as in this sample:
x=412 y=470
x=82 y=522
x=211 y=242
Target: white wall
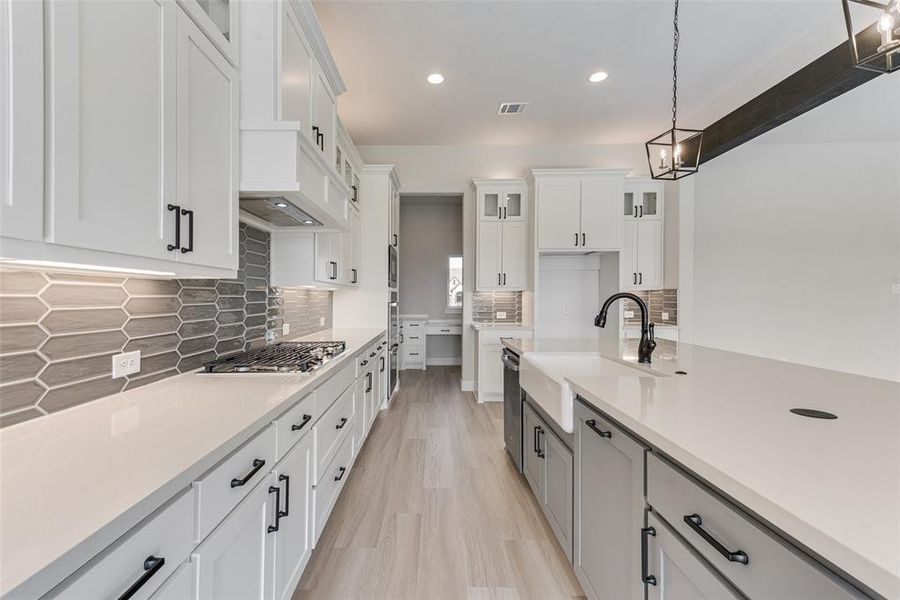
x=432 y=230
x=450 y=169
x=796 y=239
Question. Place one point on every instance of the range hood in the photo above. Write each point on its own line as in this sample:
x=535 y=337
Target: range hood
x=278 y=211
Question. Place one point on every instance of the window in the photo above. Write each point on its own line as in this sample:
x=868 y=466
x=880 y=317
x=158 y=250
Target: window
x=454 y=283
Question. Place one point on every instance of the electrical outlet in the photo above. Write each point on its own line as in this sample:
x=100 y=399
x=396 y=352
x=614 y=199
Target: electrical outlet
x=629 y=314
x=665 y=316
x=126 y=364
x=321 y=321
x=286 y=329
x=501 y=314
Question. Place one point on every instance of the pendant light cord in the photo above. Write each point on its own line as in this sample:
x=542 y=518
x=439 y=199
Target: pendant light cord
x=675 y=67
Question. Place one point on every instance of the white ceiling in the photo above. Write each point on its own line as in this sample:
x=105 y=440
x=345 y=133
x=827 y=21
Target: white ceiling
x=542 y=51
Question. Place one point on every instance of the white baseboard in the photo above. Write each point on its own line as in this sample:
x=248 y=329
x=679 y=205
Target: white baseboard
x=467 y=385
x=444 y=361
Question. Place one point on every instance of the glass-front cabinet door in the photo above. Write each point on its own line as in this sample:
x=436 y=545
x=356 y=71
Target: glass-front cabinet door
x=630 y=205
x=514 y=206
x=218 y=19
x=649 y=204
x=489 y=205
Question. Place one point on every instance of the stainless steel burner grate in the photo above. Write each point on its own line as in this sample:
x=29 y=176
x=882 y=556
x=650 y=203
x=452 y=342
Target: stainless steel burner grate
x=283 y=357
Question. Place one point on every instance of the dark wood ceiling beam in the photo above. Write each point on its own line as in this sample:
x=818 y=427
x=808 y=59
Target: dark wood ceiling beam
x=825 y=78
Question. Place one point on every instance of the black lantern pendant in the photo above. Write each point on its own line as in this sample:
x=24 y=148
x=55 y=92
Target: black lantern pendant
x=675 y=153
x=877 y=50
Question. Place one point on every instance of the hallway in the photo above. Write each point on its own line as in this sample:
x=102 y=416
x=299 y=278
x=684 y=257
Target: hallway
x=434 y=508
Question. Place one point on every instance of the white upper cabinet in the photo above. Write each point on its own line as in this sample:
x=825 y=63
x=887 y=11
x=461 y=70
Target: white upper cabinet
x=111 y=155
x=502 y=235
x=207 y=157
x=323 y=125
x=219 y=21
x=641 y=264
x=21 y=120
x=578 y=210
x=298 y=72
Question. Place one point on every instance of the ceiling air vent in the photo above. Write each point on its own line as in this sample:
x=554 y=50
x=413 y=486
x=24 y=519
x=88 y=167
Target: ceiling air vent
x=512 y=108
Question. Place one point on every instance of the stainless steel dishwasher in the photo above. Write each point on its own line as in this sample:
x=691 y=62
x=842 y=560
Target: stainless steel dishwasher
x=512 y=406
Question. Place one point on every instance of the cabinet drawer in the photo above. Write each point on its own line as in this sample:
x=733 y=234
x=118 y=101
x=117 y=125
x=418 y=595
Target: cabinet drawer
x=226 y=484
x=413 y=354
x=332 y=428
x=294 y=424
x=331 y=390
x=772 y=570
x=331 y=484
x=443 y=330
x=366 y=359
x=166 y=535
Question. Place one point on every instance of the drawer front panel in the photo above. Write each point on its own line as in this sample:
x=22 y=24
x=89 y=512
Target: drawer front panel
x=225 y=485
x=414 y=339
x=772 y=570
x=332 y=482
x=365 y=360
x=331 y=390
x=443 y=330
x=294 y=424
x=413 y=354
x=159 y=545
x=332 y=428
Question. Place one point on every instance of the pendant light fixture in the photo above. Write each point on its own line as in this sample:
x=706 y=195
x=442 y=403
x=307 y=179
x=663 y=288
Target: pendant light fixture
x=878 y=51
x=675 y=153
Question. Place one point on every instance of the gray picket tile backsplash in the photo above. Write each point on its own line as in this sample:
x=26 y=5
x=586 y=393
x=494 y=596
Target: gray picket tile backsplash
x=59 y=331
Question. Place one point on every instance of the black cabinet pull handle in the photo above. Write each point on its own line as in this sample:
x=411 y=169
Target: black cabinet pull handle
x=541 y=434
x=635 y=278
x=504 y=279
x=396 y=239
x=316 y=131
x=274 y=489
x=364 y=363
x=583 y=239
x=635 y=211
x=341 y=424
x=592 y=423
x=695 y=522
x=355 y=193
x=287 y=495
x=576 y=238
x=368 y=382
x=342 y=470
x=645 y=532
x=642 y=211
x=301 y=424
x=152 y=565
x=322 y=146
x=381 y=370
x=355 y=277
x=190 y=216
x=536 y=429
x=177 y=210
x=640 y=278
x=334 y=269
x=372 y=354
x=257 y=465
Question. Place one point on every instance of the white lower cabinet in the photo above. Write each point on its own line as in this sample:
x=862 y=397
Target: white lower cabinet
x=181 y=585
x=232 y=562
x=142 y=560
x=330 y=485
x=609 y=508
x=678 y=572
x=292 y=546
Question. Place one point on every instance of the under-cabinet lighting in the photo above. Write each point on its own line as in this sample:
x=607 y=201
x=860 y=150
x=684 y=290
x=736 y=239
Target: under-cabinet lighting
x=54 y=265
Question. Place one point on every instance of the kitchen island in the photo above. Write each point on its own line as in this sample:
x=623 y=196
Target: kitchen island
x=832 y=486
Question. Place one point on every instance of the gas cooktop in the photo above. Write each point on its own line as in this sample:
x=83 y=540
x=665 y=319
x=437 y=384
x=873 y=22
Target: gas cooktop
x=283 y=357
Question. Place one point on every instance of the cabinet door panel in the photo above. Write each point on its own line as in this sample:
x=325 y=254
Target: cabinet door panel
x=325 y=115
x=515 y=260
x=328 y=249
x=297 y=72
x=21 y=120
x=180 y=586
x=231 y=562
x=558 y=213
x=609 y=507
x=628 y=259
x=293 y=540
x=490 y=255
x=207 y=180
x=489 y=205
x=490 y=369
x=680 y=573
x=111 y=128
x=601 y=221
x=558 y=488
x=533 y=464
x=514 y=205
x=649 y=254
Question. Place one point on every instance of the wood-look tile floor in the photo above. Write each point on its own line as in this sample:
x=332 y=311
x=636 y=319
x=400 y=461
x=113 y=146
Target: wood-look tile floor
x=434 y=508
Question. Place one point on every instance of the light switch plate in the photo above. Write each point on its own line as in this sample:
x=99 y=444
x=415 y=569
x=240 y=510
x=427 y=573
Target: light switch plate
x=126 y=364
x=629 y=314
x=665 y=316
x=321 y=321
x=501 y=314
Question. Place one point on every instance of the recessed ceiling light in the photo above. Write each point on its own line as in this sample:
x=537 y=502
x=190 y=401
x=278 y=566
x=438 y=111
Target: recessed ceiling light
x=598 y=76
x=435 y=78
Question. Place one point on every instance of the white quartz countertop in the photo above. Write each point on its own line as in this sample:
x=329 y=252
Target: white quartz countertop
x=832 y=485
x=503 y=326
x=74 y=481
